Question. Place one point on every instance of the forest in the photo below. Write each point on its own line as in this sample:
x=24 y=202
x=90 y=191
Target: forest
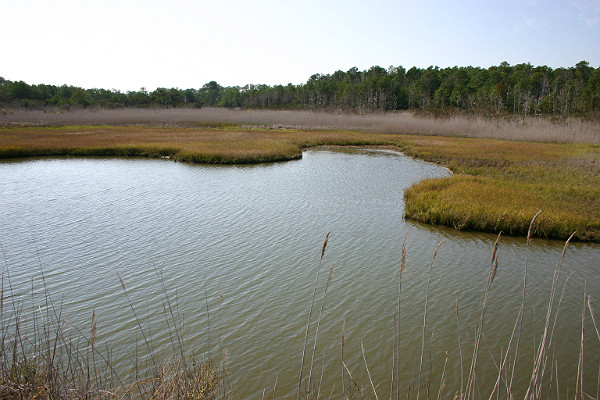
x=518 y=89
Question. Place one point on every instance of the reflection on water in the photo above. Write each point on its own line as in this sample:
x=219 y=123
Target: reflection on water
x=245 y=241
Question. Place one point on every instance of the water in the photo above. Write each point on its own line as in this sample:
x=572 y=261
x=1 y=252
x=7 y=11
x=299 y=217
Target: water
x=234 y=250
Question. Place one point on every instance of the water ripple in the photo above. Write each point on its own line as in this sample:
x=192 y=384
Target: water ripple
x=245 y=241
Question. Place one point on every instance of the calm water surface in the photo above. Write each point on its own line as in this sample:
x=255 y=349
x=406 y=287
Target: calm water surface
x=238 y=247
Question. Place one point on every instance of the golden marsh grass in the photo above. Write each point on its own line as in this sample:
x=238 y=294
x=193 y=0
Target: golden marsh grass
x=497 y=185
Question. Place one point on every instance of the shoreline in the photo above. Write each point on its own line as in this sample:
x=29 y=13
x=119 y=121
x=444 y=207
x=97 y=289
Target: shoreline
x=495 y=185
x=389 y=148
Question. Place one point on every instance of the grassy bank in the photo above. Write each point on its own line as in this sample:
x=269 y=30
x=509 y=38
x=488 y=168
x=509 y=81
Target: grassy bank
x=202 y=145
x=497 y=184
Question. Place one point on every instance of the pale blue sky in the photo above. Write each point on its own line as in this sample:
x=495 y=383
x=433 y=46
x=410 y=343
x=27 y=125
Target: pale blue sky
x=129 y=44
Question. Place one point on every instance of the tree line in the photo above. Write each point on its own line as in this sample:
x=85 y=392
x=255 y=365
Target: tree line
x=522 y=88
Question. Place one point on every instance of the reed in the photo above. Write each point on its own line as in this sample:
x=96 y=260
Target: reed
x=54 y=362
x=538 y=129
x=312 y=360
x=425 y=316
x=42 y=358
x=540 y=385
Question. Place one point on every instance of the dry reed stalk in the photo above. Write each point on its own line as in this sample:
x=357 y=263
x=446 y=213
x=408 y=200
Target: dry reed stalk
x=171 y=313
x=2 y=348
x=492 y=272
x=93 y=341
x=550 y=387
x=529 y=128
x=556 y=370
x=342 y=358
x=529 y=235
x=368 y=372
x=312 y=302
x=96 y=351
x=93 y=331
x=317 y=329
x=443 y=378
x=137 y=320
x=589 y=304
x=429 y=377
x=425 y=316
x=351 y=377
x=222 y=373
x=321 y=378
x=460 y=352
x=540 y=361
x=394 y=351
x=504 y=360
x=35 y=329
x=207 y=318
x=579 y=385
x=331 y=393
x=396 y=347
x=51 y=365
x=554 y=326
x=598 y=384
x=275 y=385
x=179 y=348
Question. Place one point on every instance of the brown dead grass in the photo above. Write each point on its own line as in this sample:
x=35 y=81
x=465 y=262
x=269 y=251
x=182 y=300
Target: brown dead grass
x=539 y=129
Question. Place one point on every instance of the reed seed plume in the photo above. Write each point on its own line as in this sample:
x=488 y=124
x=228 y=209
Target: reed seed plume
x=495 y=247
x=324 y=245
x=494 y=271
x=494 y=260
x=403 y=255
x=562 y=255
x=532 y=226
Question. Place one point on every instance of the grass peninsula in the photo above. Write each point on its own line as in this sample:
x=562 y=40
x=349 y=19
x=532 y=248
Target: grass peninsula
x=497 y=185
